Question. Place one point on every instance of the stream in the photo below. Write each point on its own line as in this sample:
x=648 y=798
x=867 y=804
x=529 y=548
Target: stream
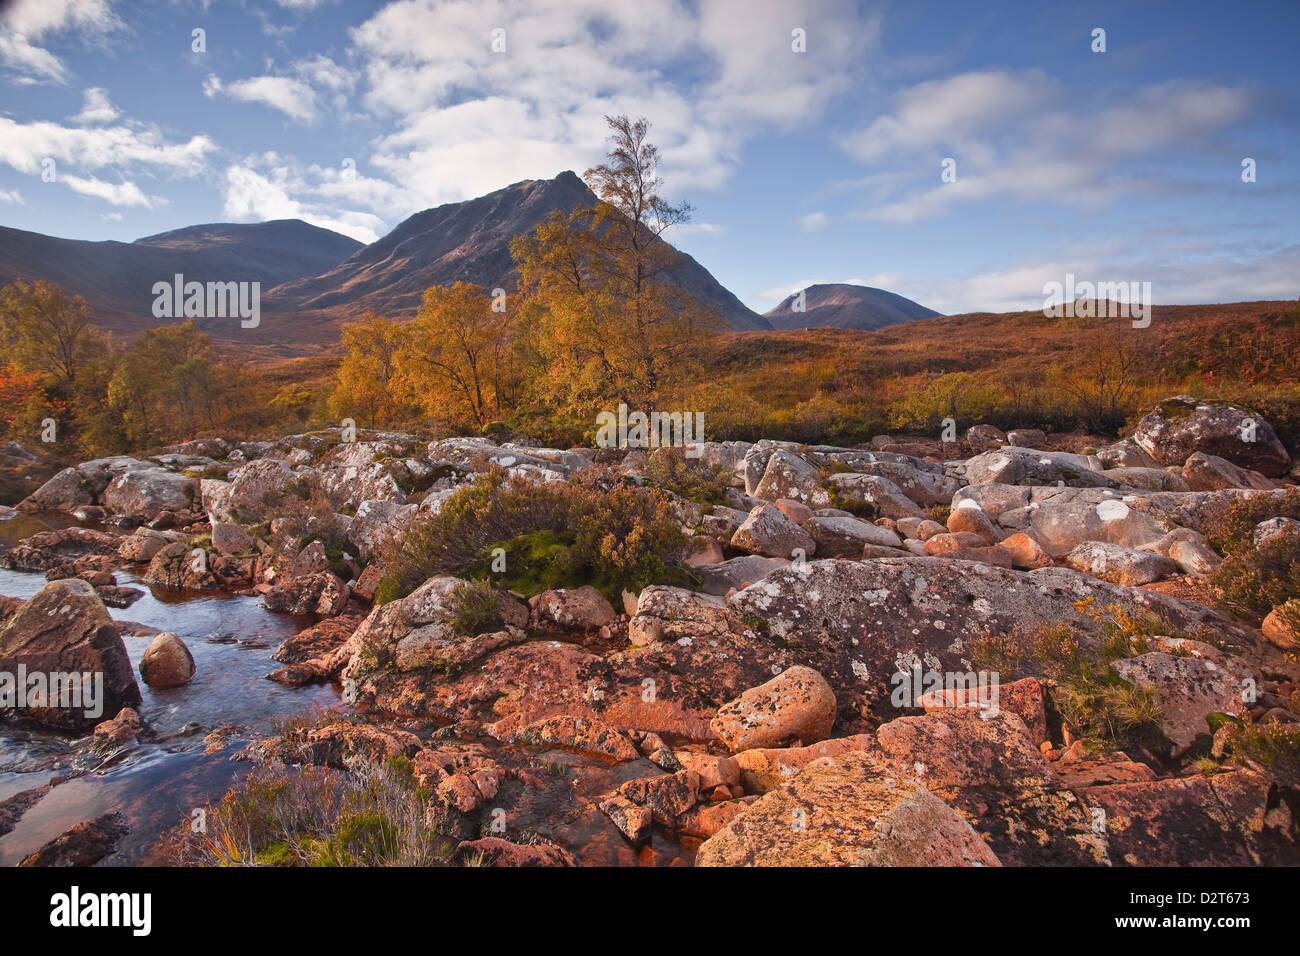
x=155 y=785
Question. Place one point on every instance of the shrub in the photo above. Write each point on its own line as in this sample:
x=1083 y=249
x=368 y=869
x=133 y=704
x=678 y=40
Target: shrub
x=316 y=816
x=590 y=530
x=477 y=610
x=1232 y=534
x=1275 y=746
x=1256 y=581
x=692 y=479
x=1096 y=704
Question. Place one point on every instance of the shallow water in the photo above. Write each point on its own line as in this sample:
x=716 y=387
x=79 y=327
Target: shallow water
x=156 y=785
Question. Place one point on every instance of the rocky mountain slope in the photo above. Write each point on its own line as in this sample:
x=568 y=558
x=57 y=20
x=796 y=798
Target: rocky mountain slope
x=842 y=306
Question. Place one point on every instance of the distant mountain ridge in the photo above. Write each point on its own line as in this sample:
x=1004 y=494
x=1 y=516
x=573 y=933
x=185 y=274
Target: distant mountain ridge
x=117 y=278
x=465 y=241
x=844 y=306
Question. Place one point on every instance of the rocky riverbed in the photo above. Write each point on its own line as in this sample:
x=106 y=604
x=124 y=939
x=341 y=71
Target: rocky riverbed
x=1015 y=649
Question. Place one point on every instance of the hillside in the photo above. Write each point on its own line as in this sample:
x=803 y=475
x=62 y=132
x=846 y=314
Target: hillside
x=843 y=306
x=116 y=278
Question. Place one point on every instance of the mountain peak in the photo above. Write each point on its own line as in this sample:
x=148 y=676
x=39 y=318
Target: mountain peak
x=843 y=305
x=462 y=241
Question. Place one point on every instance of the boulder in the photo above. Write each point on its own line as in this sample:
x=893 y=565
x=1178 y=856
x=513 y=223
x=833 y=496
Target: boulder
x=376 y=522
x=1027 y=438
x=736 y=573
x=143 y=544
x=67 y=490
x=767 y=768
x=230 y=538
x=584 y=735
x=768 y=532
x=796 y=511
x=982 y=438
x=1126 y=454
x=1274 y=529
x=882 y=496
x=1119 y=565
x=847 y=536
x=312 y=559
x=1026 y=553
x=756 y=459
x=1221 y=820
x=1180 y=426
x=572 y=609
x=1204 y=472
x=1149 y=479
x=437 y=600
x=1281 y=627
x=65 y=630
x=796 y=705
x=1023 y=466
x=859 y=623
x=789 y=476
x=843 y=811
x=701 y=549
x=167 y=662
x=319 y=593
x=969 y=517
x=1189 y=689
x=177 y=567
x=251 y=493
x=959 y=747
x=145 y=492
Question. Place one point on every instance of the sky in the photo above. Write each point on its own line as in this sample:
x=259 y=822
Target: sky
x=961 y=154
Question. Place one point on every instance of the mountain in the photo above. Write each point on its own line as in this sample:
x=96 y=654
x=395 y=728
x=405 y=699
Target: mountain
x=465 y=241
x=842 y=306
x=117 y=278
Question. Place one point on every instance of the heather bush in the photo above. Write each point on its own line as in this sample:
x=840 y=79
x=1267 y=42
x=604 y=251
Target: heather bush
x=590 y=530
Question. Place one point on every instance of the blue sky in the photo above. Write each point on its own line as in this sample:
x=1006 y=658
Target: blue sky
x=822 y=165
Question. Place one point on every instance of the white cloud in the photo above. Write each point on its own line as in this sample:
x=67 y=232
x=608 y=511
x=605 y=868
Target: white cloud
x=24 y=145
x=11 y=195
x=111 y=216
x=1220 y=277
x=1019 y=136
x=687 y=230
x=96 y=108
x=290 y=96
x=814 y=221
x=29 y=22
x=119 y=194
x=263 y=188
x=709 y=76
x=297 y=96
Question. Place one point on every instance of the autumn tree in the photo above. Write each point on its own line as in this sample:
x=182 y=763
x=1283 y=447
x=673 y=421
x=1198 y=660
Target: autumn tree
x=166 y=385
x=611 y=324
x=457 y=357
x=1104 y=381
x=368 y=378
x=46 y=331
